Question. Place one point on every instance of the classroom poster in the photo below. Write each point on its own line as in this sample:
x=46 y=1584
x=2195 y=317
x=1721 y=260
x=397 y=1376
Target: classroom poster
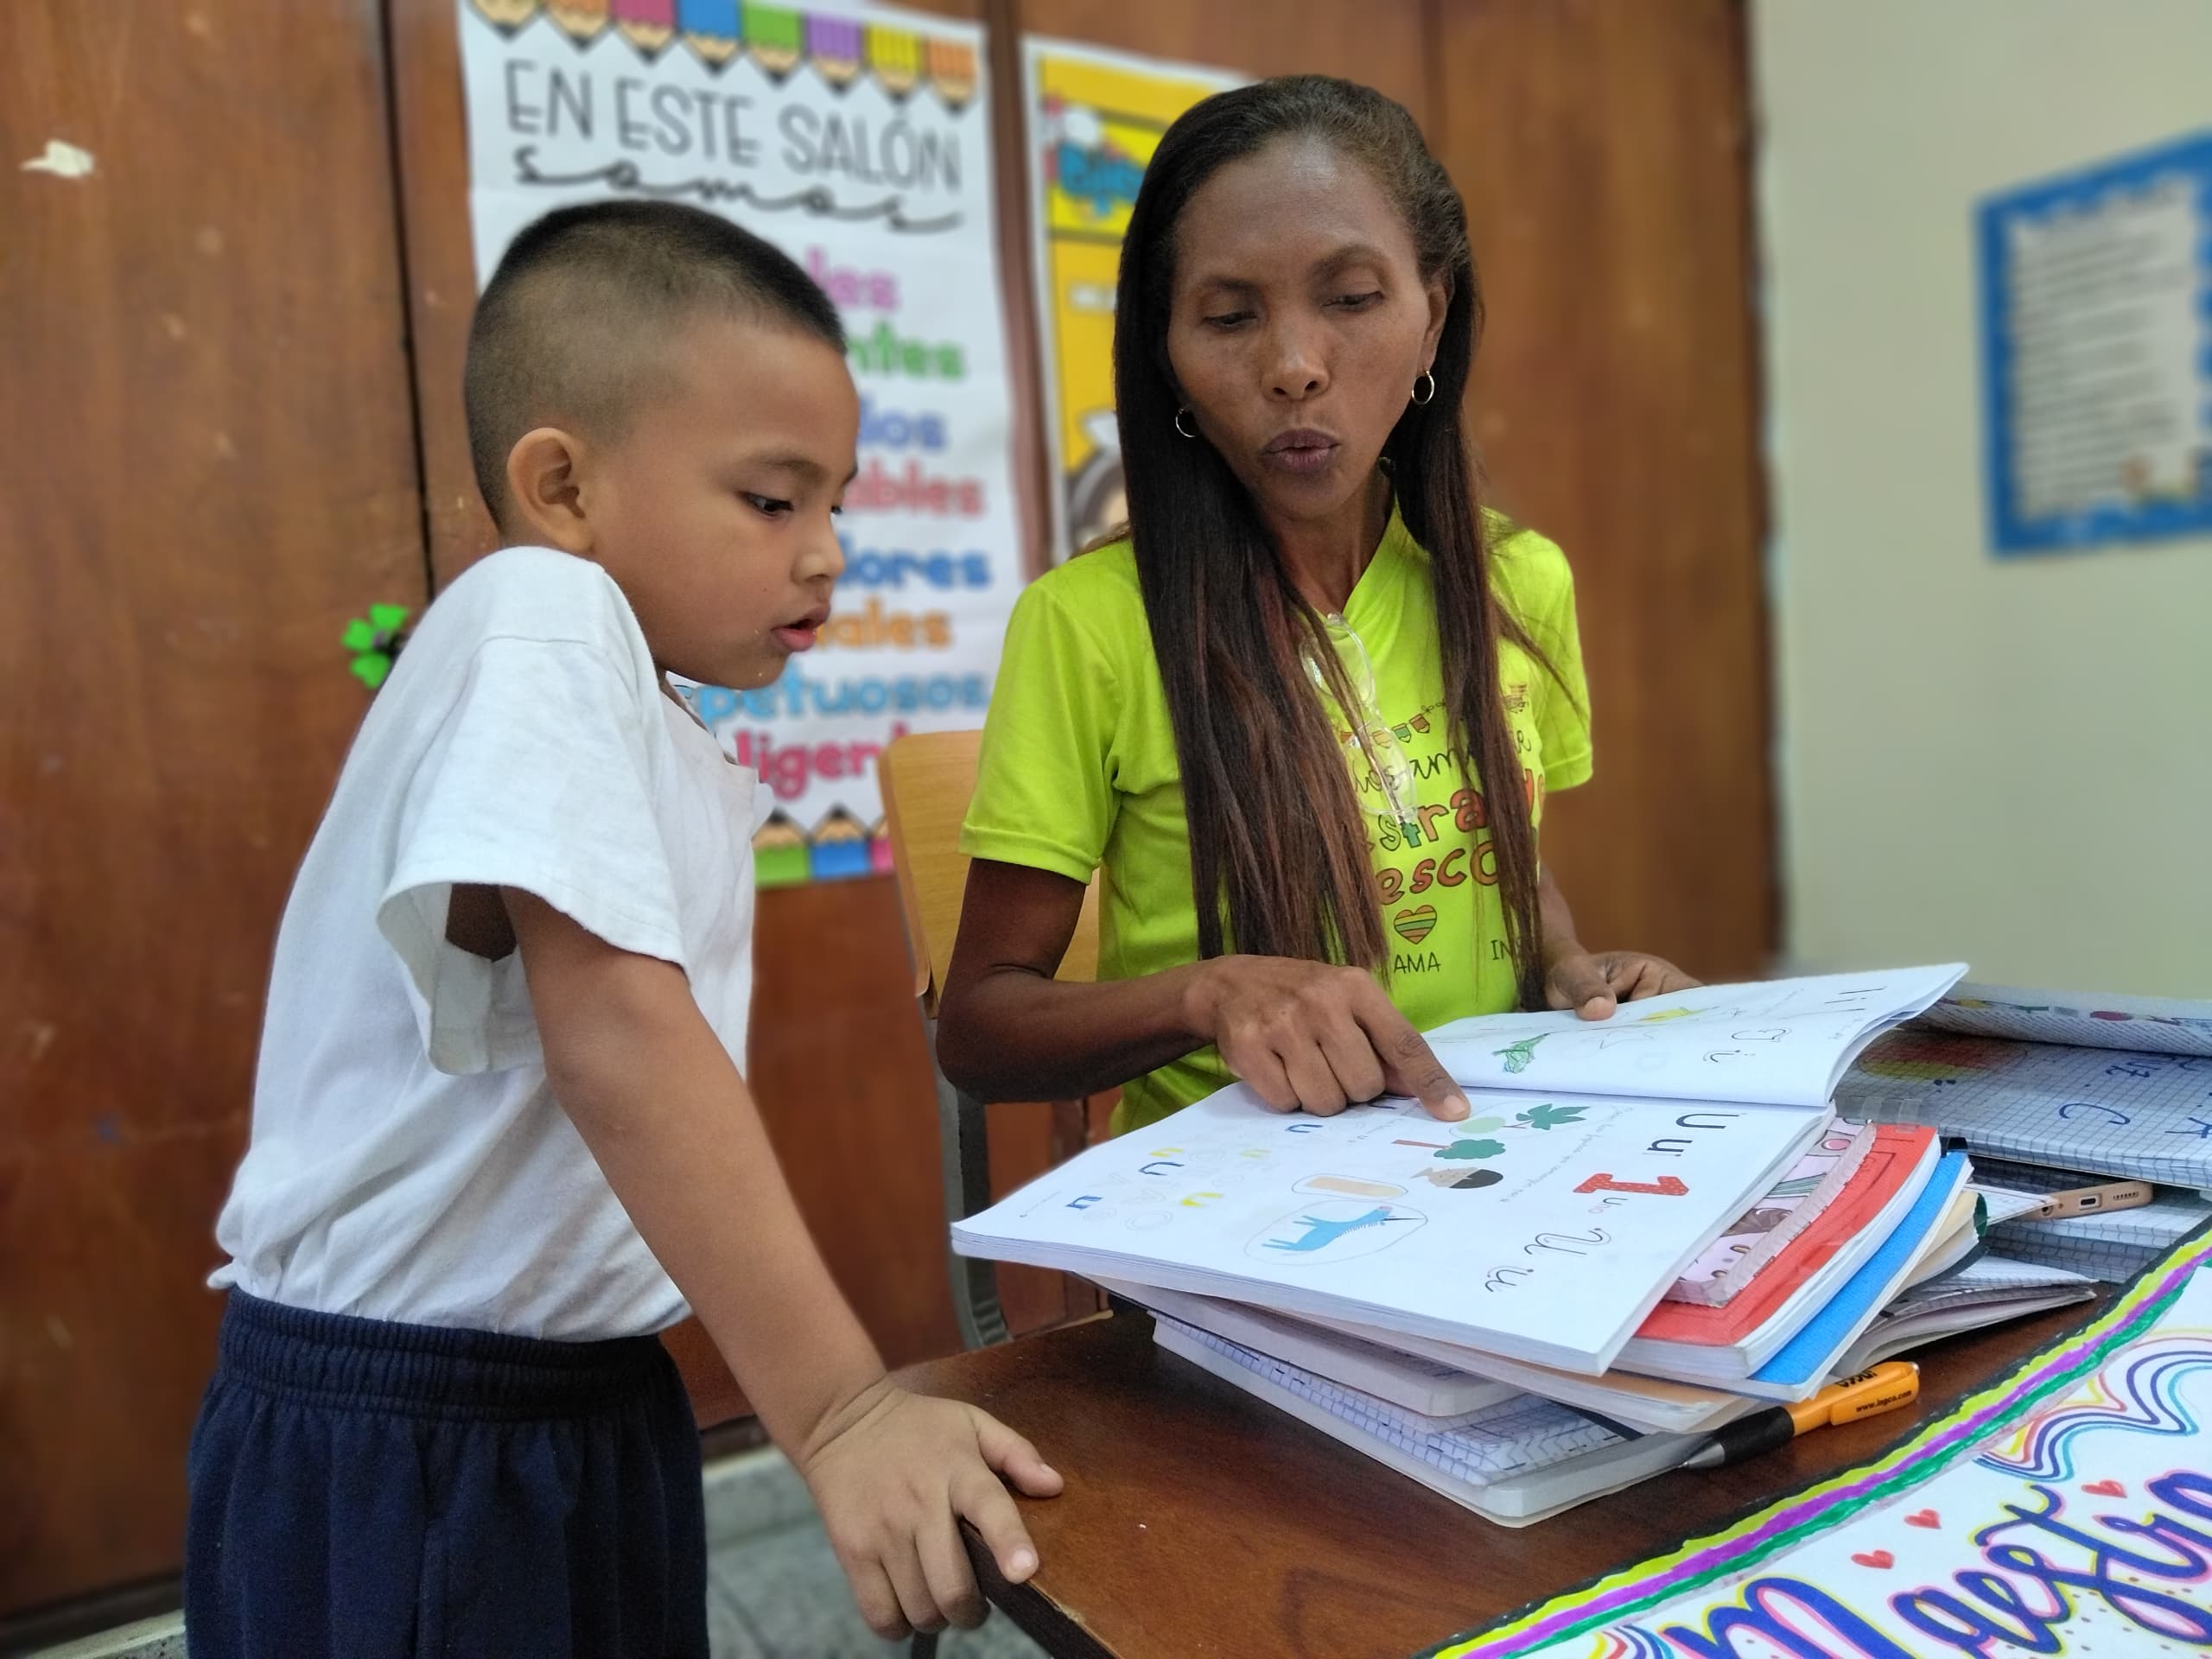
x=859 y=143
x=1095 y=118
x=2066 y=1510
x=2096 y=297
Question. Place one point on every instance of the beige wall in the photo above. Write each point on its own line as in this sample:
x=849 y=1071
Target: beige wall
x=2006 y=761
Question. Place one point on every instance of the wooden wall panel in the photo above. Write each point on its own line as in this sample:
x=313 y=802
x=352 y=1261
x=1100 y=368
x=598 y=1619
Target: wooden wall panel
x=209 y=468
x=1381 y=43
x=1603 y=147
x=430 y=134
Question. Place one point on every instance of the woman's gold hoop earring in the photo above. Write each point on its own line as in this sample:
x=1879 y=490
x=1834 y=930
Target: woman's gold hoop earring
x=1421 y=400
x=1179 y=427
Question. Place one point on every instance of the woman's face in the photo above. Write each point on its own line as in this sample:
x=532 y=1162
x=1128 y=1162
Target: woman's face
x=1300 y=323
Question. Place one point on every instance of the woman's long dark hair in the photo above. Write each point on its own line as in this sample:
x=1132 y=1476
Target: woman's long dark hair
x=1277 y=840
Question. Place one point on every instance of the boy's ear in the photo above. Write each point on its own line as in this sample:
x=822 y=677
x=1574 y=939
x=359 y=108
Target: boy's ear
x=544 y=493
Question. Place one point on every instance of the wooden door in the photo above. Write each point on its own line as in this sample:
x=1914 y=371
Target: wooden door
x=1603 y=148
x=210 y=468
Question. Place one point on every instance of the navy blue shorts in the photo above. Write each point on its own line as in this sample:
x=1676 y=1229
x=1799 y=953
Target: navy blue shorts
x=384 y=1491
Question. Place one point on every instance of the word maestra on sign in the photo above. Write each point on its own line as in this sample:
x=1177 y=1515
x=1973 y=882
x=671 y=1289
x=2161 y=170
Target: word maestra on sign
x=2064 y=1510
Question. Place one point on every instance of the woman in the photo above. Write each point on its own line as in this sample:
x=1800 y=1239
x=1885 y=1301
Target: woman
x=1304 y=717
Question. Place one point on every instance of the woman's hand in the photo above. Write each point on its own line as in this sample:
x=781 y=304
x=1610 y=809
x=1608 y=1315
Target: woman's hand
x=1308 y=1035
x=1594 y=985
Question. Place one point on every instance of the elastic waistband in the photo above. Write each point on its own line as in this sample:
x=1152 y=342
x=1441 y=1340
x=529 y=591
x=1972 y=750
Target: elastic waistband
x=428 y=1370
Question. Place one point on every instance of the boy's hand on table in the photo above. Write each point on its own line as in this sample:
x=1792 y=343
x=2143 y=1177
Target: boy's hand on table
x=894 y=1474
x=1594 y=984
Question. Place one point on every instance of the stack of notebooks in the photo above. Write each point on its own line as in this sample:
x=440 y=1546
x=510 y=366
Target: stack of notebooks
x=1645 y=1228
x=2053 y=1091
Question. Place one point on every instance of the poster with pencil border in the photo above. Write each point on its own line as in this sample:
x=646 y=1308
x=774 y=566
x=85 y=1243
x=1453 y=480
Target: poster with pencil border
x=2065 y=1509
x=858 y=140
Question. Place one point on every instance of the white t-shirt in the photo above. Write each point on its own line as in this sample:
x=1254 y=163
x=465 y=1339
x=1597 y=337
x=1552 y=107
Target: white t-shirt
x=409 y=1160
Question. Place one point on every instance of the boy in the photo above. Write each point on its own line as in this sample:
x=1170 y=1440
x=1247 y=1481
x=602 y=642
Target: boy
x=499 y=1138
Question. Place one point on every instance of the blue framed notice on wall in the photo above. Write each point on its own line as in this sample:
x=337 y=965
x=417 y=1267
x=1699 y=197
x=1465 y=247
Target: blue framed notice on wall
x=2096 y=302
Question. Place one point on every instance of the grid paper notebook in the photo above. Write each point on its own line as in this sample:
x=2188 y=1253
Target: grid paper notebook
x=2109 y=1260
x=2136 y=1117
x=1988 y=1278
x=2157 y=1024
x=2114 y=1246
x=1514 y=1437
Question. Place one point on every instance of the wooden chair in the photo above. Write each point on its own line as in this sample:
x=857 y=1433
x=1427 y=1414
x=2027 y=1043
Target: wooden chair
x=928 y=779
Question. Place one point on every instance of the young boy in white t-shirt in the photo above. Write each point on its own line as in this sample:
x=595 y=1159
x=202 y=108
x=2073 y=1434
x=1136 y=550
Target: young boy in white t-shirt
x=499 y=1136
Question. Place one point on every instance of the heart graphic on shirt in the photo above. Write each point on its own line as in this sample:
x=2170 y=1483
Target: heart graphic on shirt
x=2106 y=1489
x=1924 y=1518
x=1876 y=1557
x=1416 y=925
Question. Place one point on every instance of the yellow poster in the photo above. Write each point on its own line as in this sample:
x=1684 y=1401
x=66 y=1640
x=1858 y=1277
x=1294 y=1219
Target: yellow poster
x=1095 y=118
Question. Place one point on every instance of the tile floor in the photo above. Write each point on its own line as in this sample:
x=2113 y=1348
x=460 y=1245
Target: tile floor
x=774 y=1590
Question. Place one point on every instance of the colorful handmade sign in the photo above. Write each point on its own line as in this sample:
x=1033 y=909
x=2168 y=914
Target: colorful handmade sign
x=2067 y=1510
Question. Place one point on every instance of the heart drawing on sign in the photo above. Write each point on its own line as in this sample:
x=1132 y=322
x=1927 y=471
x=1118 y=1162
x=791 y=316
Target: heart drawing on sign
x=1416 y=925
x=1876 y=1557
x=2106 y=1489
x=1924 y=1518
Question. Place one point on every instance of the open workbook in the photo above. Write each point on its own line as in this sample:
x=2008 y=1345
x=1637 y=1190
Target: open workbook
x=1782 y=1042
x=1544 y=1227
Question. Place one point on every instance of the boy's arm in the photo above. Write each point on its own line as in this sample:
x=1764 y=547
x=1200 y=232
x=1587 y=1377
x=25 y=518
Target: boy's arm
x=660 y=1104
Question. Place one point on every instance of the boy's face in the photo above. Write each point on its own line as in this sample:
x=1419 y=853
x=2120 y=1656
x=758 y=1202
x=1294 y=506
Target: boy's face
x=714 y=512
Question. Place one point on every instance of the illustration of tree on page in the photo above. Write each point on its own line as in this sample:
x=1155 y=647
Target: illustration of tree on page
x=1540 y=1229
x=1784 y=1041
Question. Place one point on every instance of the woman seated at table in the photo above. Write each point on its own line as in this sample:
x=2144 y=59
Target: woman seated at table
x=1305 y=715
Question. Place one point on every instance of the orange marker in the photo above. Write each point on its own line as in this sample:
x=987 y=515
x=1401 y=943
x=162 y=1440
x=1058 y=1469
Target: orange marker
x=1887 y=1387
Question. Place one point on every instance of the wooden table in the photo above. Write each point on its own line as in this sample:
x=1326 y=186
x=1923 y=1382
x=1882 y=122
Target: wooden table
x=1199 y=1520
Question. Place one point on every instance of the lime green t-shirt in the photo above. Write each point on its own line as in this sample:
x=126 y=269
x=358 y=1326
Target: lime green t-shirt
x=1079 y=774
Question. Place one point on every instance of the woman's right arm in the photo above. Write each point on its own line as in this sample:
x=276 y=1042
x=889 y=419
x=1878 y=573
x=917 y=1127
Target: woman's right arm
x=1304 y=1034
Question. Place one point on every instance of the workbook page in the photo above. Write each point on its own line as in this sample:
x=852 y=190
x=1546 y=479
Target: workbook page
x=1783 y=1041
x=1543 y=1228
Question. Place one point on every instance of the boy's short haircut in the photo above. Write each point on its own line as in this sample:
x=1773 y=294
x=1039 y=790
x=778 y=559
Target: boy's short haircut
x=575 y=324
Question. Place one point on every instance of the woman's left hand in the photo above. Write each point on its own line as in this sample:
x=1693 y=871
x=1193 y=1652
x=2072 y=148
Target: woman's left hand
x=1594 y=984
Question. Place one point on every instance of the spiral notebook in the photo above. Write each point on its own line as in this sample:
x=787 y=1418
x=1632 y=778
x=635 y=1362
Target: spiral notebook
x=1513 y=1463
x=2114 y=1246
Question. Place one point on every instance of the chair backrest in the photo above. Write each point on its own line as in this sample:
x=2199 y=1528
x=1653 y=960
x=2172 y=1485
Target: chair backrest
x=928 y=779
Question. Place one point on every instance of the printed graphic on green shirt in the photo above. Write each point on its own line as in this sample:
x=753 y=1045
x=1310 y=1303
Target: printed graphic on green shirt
x=1436 y=864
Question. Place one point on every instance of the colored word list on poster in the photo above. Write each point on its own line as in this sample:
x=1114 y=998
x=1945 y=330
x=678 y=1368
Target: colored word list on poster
x=861 y=146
